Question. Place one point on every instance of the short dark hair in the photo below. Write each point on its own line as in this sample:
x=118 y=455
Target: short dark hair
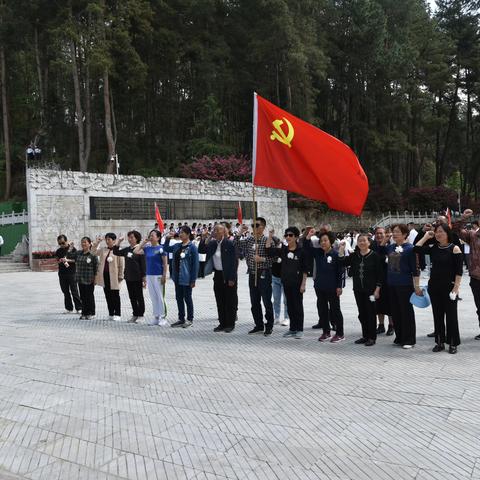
x=261 y=220
x=111 y=235
x=379 y=228
x=293 y=230
x=186 y=229
x=402 y=227
x=62 y=237
x=137 y=235
x=86 y=239
x=156 y=232
x=446 y=229
x=330 y=235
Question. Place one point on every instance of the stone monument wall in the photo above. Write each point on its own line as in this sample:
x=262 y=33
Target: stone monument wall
x=60 y=202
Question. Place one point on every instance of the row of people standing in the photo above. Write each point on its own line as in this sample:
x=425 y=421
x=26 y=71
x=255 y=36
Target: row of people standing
x=373 y=266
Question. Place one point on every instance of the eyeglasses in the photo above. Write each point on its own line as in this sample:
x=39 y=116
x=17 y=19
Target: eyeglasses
x=289 y=235
x=257 y=225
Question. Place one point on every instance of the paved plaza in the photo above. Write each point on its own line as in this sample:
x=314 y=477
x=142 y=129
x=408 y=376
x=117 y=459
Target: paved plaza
x=110 y=400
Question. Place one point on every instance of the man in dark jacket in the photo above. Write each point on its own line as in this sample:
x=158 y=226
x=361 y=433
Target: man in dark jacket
x=223 y=261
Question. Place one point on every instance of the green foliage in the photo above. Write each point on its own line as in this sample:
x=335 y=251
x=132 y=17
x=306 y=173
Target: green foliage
x=397 y=83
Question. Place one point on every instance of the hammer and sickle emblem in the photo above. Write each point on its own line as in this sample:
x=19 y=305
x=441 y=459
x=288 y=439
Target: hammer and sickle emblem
x=279 y=134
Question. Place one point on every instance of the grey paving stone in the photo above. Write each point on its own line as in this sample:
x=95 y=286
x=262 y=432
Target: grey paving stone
x=104 y=400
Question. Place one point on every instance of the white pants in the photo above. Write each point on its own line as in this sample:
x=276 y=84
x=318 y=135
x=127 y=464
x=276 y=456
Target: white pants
x=156 y=291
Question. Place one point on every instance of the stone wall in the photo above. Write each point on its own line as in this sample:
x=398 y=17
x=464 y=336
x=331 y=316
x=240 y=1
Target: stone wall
x=59 y=202
x=302 y=217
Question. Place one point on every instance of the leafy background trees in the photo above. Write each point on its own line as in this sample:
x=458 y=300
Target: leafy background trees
x=165 y=82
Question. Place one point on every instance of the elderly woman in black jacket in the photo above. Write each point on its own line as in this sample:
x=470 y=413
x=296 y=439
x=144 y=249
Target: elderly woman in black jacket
x=366 y=270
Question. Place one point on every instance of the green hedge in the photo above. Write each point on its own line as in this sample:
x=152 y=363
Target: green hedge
x=12 y=234
x=12 y=206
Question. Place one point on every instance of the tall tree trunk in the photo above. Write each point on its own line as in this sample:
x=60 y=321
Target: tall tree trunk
x=88 y=115
x=6 y=130
x=41 y=90
x=78 y=109
x=111 y=165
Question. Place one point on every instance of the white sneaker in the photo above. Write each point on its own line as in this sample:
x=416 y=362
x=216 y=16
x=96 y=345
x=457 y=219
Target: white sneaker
x=407 y=347
x=277 y=321
x=162 y=322
x=117 y=318
x=153 y=322
x=285 y=323
x=67 y=312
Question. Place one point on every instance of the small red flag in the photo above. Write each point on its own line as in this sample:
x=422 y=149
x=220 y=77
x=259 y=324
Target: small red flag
x=240 y=214
x=158 y=217
x=293 y=155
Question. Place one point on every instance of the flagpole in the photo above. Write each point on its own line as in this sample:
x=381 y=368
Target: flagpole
x=254 y=165
x=254 y=210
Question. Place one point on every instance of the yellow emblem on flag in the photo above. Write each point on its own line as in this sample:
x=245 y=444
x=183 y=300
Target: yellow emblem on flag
x=279 y=134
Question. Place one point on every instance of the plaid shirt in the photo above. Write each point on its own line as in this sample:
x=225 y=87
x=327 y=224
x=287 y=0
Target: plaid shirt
x=247 y=246
x=86 y=271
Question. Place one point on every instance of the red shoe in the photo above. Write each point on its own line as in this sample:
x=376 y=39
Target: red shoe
x=324 y=337
x=337 y=339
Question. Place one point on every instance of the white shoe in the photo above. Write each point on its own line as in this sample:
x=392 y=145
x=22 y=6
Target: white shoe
x=406 y=347
x=277 y=321
x=117 y=318
x=285 y=323
x=162 y=322
x=68 y=312
x=153 y=322
x=110 y=317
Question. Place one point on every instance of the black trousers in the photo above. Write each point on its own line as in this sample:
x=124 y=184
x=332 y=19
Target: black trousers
x=366 y=314
x=262 y=292
x=329 y=302
x=475 y=286
x=227 y=300
x=70 y=290
x=135 y=292
x=403 y=314
x=111 y=296
x=444 y=312
x=294 y=306
x=88 y=298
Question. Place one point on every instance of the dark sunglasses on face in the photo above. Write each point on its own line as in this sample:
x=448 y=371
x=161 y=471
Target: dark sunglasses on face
x=289 y=235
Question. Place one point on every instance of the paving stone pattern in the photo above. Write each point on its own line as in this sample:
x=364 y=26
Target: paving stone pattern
x=110 y=400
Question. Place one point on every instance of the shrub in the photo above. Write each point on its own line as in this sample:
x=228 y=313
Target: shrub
x=234 y=168
x=43 y=254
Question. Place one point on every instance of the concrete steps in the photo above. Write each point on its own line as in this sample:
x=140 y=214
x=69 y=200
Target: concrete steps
x=7 y=265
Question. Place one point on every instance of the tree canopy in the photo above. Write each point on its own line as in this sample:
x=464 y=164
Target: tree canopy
x=161 y=82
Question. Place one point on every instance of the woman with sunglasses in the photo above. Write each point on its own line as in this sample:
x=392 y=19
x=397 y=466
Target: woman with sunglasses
x=294 y=277
x=443 y=285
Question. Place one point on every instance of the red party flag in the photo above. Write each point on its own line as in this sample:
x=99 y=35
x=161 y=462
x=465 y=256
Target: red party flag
x=293 y=155
x=240 y=214
x=158 y=217
x=448 y=214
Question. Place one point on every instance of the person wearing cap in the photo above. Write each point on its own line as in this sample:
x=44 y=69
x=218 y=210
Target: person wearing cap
x=222 y=259
x=294 y=277
x=110 y=274
x=444 y=284
x=403 y=279
x=367 y=273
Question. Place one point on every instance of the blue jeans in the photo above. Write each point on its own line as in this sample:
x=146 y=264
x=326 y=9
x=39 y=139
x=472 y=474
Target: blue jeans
x=183 y=295
x=277 y=290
